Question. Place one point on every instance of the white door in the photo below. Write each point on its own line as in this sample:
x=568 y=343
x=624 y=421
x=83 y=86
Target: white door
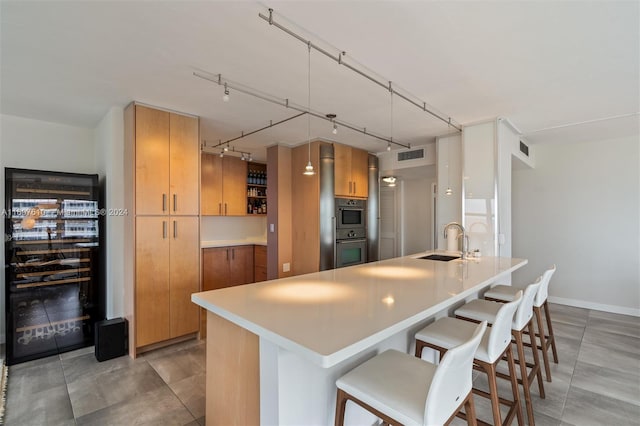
x=388 y=223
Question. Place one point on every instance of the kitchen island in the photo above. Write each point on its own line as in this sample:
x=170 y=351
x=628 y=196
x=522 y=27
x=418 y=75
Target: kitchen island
x=275 y=349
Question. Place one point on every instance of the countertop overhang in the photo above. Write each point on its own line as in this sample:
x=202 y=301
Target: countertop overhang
x=329 y=316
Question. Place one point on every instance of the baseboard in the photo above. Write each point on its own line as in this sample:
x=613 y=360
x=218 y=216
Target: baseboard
x=614 y=309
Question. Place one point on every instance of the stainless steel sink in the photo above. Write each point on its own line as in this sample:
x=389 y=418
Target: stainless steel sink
x=440 y=257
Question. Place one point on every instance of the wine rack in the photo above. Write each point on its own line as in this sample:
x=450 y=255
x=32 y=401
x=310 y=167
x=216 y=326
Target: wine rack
x=257 y=188
x=52 y=262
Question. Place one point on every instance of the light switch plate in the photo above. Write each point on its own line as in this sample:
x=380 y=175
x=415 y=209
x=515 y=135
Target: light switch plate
x=286 y=267
x=272 y=227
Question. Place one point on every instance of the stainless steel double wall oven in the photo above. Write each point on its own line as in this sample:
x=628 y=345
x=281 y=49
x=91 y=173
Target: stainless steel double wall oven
x=351 y=232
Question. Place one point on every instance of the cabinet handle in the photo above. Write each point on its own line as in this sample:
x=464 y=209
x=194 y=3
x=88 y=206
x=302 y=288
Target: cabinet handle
x=227 y=254
x=175 y=229
x=225 y=209
x=233 y=254
x=354 y=187
x=164 y=202
x=164 y=229
x=175 y=202
x=220 y=208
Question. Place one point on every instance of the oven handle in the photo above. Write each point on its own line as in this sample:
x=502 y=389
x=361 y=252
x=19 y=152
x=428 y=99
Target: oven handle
x=359 y=240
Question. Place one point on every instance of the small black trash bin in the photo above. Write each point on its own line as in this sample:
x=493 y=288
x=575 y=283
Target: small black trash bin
x=111 y=338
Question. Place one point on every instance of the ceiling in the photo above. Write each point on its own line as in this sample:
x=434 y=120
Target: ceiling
x=544 y=65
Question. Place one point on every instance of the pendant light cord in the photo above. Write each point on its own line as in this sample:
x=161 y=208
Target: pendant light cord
x=309 y=98
x=391 y=113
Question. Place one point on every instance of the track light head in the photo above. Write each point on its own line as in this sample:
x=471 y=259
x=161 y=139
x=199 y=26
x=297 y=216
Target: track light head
x=225 y=97
x=221 y=154
x=332 y=117
x=389 y=146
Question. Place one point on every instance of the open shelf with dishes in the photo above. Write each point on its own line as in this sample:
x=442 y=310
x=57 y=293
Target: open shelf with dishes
x=52 y=256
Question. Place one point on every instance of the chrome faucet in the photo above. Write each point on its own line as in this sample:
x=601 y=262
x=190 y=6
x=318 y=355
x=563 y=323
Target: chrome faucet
x=465 y=237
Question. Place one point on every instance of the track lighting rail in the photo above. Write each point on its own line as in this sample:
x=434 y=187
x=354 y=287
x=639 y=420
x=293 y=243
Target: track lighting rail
x=340 y=60
x=221 y=81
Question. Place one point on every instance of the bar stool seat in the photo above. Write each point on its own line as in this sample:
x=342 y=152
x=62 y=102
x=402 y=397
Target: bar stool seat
x=486 y=310
x=402 y=389
x=506 y=293
x=446 y=333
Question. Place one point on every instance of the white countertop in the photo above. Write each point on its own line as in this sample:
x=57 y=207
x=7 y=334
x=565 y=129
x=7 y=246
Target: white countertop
x=228 y=243
x=330 y=316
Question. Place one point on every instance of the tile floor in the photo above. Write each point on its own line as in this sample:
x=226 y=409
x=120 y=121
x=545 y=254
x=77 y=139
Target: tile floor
x=597 y=381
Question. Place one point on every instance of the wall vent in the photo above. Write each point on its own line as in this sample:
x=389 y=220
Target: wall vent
x=524 y=148
x=411 y=155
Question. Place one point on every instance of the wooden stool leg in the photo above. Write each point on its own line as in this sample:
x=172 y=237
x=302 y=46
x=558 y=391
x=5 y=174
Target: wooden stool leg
x=543 y=342
x=524 y=376
x=341 y=402
x=493 y=391
x=536 y=359
x=552 y=338
x=470 y=410
x=514 y=385
x=419 y=346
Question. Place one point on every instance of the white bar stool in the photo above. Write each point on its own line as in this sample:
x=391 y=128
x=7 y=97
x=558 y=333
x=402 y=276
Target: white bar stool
x=487 y=310
x=505 y=293
x=446 y=333
x=403 y=390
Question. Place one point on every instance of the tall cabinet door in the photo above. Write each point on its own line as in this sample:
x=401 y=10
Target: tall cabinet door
x=152 y=279
x=184 y=274
x=211 y=185
x=184 y=172
x=343 y=183
x=234 y=186
x=152 y=161
x=360 y=172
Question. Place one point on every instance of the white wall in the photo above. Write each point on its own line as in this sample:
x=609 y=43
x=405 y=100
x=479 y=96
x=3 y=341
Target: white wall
x=580 y=209
x=109 y=160
x=33 y=144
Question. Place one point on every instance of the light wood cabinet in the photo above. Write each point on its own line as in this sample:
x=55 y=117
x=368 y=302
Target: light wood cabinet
x=152 y=280
x=163 y=258
x=166 y=162
x=351 y=172
x=167 y=268
x=223 y=186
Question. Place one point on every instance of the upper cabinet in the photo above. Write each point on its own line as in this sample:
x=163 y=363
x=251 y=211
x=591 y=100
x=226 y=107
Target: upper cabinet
x=223 y=186
x=166 y=162
x=351 y=172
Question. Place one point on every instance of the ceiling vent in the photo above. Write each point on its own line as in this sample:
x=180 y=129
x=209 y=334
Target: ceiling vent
x=524 y=148
x=412 y=155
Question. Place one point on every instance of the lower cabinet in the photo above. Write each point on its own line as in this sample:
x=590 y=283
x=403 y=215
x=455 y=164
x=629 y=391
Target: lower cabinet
x=260 y=263
x=230 y=266
x=167 y=265
x=226 y=266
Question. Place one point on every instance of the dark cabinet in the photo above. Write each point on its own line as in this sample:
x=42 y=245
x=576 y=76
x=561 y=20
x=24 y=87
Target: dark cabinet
x=52 y=290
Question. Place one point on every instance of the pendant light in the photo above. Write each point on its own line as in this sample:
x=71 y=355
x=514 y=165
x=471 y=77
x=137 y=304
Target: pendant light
x=308 y=170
